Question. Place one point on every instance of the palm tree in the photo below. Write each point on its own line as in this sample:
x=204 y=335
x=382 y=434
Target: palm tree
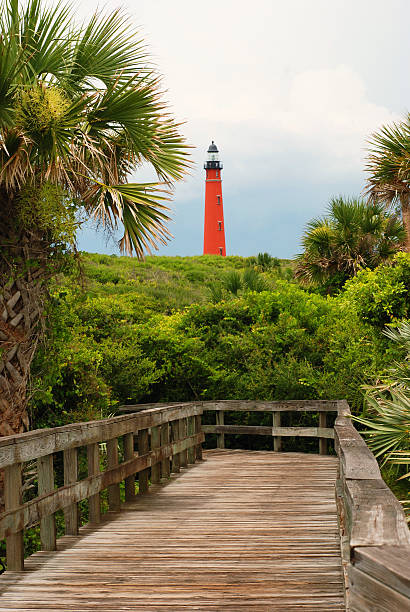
x=389 y=168
x=80 y=110
x=355 y=235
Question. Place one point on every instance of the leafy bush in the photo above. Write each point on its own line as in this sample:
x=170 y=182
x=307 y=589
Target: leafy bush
x=109 y=347
x=381 y=296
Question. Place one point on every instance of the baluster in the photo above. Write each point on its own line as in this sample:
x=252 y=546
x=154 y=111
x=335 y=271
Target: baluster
x=45 y=472
x=114 y=499
x=94 y=505
x=190 y=431
x=13 y=498
x=182 y=435
x=277 y=440
x=129 y=454
x=175 y=438
x=70 y=476
x=220 y=420
x=165 y=441
x=198 y=429
x=155 y=443
x=322 y=441
x=143 y=449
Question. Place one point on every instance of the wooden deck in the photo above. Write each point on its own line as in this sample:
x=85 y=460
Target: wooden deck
x=239 y=531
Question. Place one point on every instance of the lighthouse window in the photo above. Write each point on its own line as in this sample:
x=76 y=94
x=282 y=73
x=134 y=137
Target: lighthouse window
x=218 y=199
x=220 y=226
x=217 y=174
x=220 y=250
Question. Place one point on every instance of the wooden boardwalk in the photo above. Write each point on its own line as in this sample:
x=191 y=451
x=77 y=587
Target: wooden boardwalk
x=243 y=530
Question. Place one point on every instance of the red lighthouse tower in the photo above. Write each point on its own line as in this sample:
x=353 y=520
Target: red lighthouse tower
x=214 y=229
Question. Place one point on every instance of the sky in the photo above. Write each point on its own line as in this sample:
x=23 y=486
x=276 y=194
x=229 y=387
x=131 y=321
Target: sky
x=289 y=91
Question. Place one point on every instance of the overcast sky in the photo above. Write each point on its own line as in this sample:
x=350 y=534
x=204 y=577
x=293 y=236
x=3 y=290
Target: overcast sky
x=289 y=90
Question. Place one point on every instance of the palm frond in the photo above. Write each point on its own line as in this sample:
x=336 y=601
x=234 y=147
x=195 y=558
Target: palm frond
x=82 y=107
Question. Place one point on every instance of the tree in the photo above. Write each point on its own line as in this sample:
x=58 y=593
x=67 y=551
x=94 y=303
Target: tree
x=81 y=109
x=356 y=234
x=389 y=168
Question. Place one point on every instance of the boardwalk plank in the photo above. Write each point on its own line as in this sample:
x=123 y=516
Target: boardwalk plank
x=240 y=531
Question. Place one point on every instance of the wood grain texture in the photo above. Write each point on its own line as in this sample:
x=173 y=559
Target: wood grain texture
x=129 y=454
x=31 y=512
x=45 y=472
x=155 y=443
x=94 y=501
x=165 y=439
x=143 y=449
x=369 y=595
x=114 y=500
x=263 y=430
x=219 y=429
x=12 y=499
x=198 y=429
x=374 y=516
x=373 y=526
x=34 y=444
x=71 y=476
x=251 y=405
x=388 y=564
x=322 y=426
x=277 y=440
x=226 y=534
x=175 y=427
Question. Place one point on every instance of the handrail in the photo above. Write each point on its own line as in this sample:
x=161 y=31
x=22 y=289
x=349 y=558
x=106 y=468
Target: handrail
x=322 y=407
x=375 y=536
x=168 y=438
x=39 y=442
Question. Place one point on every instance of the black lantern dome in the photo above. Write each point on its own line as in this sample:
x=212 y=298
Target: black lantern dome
x=212 y=160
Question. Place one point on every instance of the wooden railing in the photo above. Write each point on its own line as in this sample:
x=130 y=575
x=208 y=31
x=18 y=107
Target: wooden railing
x=167 y=438
x=375 y=539
x=322 y=432
x=276 y=408
x=375 y=536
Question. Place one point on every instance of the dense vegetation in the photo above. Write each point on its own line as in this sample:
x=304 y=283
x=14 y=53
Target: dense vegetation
x=355 y=234
x=154 y=331
x=81 y=108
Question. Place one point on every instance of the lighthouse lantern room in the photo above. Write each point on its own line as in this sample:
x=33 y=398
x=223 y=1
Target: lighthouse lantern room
x=214 y=228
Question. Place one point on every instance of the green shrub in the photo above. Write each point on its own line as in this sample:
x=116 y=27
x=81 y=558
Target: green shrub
x=381 y=296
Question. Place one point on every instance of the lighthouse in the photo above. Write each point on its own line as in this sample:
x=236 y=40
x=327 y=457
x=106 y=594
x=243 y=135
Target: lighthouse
x=214 y=228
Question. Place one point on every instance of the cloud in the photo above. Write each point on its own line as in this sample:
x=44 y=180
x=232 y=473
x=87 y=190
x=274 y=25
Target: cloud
x=317 y=133
x=290 y=91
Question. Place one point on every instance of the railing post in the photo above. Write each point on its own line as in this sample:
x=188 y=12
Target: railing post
x=277 y=440
x=143 y=449
x=175 y=438
x=322 y=441
x=190 y=431
x=155 y=443
x=165 y=469
x=182 y=434
x=198 y=429
x=129 y=454
x=114 y=499
x=71 y=476
x=94 y=505
x=220 y=420
x=45 y=473
x=12 y=499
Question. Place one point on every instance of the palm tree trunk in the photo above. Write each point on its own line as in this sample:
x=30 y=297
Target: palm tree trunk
x=405 y=212
x=18 y=340
x=22 y=295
